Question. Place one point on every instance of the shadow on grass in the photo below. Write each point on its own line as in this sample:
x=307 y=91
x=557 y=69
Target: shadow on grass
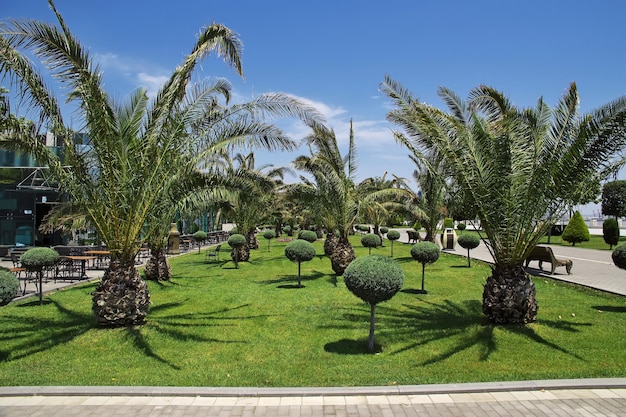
x=448 y=328
x=351 y=347
x=610 y=309
x=294 y=278
x=34 y=333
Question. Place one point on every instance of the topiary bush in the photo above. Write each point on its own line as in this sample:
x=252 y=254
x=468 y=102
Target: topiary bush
x=287 y=229
x=236 y=241
x=461 y=226
x=610 y=232
x=393 y=235
x=200 y=236
x=468 y=242
x=233 y=231
x=299 y=251
x=384 y=230
x=308 y=235
x=370 y=241
x=425 y=253
x=373 y=279
x=576 y=230
x=9 y=287
x=448 y=223
x=269 y=235
x=619 y=256
x=37 y=260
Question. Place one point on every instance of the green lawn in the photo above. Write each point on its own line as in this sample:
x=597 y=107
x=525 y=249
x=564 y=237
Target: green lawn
x=213 y=325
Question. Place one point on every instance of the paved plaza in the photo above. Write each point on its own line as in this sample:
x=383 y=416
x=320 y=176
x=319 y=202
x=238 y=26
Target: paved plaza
x=567 y=398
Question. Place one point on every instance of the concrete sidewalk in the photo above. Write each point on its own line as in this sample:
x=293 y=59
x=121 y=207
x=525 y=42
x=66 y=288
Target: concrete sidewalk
x=572 y=398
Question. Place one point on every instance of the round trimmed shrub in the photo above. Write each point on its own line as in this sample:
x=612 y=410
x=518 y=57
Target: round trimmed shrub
x=233 y=231
x=425 y=253
x=287 y=229
x=619 y=256
x=299 y=251
x=308 y=235
x=236 y=241
x=269 y=235
x=393 y=235
x=461 y=226
x=9 y=286
x=448 y=223
x=370 y=241
x=469 y=242
x=384 y=229
x=37 y=260
x=200 y=236
x=373 y=279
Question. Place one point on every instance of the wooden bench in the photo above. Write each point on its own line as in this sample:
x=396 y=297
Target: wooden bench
x=545 y=254
x=414 y=236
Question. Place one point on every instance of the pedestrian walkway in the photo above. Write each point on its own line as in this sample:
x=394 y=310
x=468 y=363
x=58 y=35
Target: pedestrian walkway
x=571 y=398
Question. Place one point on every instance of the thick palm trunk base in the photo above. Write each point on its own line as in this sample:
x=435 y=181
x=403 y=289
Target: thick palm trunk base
x=329 y=244
x=122 y=297
x=244 y=254
x=158 y=268
x=509 y=297
x=253 y=241
x=342 y=256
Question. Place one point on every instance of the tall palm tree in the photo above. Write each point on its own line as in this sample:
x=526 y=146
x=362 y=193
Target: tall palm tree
x=521 y=167
x=137 y=149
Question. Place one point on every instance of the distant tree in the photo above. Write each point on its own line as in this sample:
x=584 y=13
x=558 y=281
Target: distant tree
x=373 y=279
x=425 y=253
x=614 y=199
x=468 y=241
x=299 y=251
x=610 y=232
x=576 y=230
x=269 y=235
x=393 y=235
x=371 y=240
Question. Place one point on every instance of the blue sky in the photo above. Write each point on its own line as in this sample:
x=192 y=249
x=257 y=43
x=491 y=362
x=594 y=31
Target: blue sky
x=335 y=54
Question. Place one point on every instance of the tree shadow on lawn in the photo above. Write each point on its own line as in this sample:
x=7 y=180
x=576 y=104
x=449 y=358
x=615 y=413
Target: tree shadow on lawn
x=610 y=309
x=35 y=334
x=291 y=278
x=456 y=326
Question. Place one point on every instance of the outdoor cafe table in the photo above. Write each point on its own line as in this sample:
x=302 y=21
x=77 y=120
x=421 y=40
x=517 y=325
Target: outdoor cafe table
x=100 y=255
x=83 y=262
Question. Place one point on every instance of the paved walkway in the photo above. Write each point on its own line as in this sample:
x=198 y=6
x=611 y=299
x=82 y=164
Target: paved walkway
x=567 y=398
x=571 y=398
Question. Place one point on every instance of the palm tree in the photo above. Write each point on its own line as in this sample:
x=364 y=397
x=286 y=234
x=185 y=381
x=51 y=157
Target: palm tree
x=521 y=167
x=137 y=150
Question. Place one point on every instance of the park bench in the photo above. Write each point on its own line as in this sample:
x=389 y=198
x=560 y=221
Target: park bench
x=545 y=254
x=414 y=236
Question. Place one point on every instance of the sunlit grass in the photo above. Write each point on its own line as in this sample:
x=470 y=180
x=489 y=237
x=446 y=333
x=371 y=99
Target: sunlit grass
x=214 y=325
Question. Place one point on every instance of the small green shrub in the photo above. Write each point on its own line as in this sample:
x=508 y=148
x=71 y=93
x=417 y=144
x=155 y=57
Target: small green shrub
x=9 y=287
x=200 y=236
x=461 y=226
x=37 y=260
x=576 y=230
x=469 y=242
x=610 y=232
x=619 y=256
x=393 y=235
x=233 y=231
x=370 y=241
x=448 y=223
x=269 y=235
x=236 y=241
x=373 y=279
x=425 y=253
x=299 y=251
x=308 y=235
x=383 y=230
x=287 y=229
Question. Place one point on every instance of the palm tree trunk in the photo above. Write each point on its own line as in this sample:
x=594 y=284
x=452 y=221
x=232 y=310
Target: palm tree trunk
x=122 y=298
x=342 y=255
x=158 y=268
x=509 y=296
x=330 y=243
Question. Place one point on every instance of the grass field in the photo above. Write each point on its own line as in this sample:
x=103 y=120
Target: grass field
x=214 y=325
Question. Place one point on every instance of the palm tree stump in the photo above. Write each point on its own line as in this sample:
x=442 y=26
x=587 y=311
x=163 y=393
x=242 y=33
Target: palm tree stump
x=509 y=297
